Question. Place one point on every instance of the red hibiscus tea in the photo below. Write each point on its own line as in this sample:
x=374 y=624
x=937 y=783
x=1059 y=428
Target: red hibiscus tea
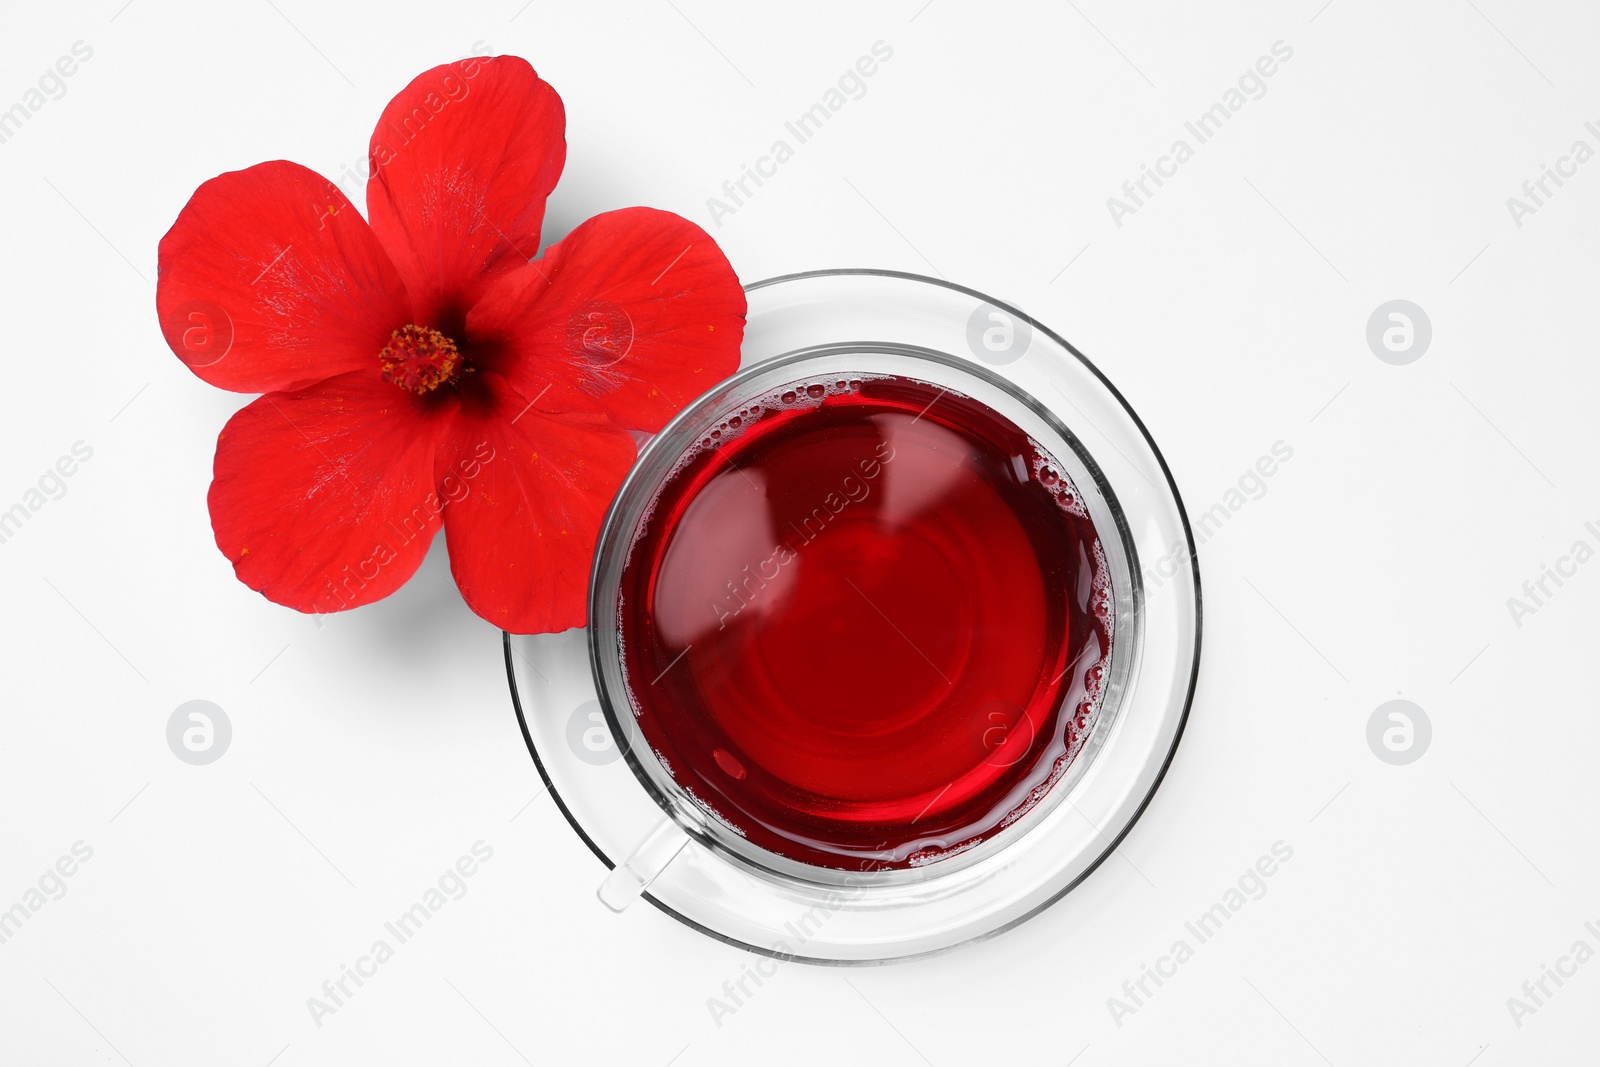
x=865 y=622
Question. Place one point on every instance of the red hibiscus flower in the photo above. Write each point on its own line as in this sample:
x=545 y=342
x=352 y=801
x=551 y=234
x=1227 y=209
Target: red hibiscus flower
x=420 y=369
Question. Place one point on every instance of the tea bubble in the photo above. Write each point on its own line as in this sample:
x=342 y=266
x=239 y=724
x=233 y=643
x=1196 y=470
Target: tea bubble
x=730 y=763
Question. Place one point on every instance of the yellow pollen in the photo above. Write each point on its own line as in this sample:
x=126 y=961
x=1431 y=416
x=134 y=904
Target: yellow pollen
x=420 y=359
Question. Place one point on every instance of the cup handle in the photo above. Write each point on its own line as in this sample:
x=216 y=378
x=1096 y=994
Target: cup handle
x=648 y=859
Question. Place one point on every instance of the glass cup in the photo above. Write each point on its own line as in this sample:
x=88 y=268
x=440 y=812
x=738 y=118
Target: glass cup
x=664 y=844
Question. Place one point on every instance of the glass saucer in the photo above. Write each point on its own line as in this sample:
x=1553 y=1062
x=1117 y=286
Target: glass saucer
x=659 y=844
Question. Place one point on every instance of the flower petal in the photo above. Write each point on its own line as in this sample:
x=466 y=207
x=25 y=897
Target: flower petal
x=634 y=314
x=522 y=531
x=462 y=161
x=324 y=499
x=270 y=280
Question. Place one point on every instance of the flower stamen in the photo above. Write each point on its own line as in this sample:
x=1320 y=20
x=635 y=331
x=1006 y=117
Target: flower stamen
x=420 y=358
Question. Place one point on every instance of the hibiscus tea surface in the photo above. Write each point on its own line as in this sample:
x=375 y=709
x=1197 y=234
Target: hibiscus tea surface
x=865 y=622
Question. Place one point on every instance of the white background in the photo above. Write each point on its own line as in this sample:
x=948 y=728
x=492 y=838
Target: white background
x=372 y=751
